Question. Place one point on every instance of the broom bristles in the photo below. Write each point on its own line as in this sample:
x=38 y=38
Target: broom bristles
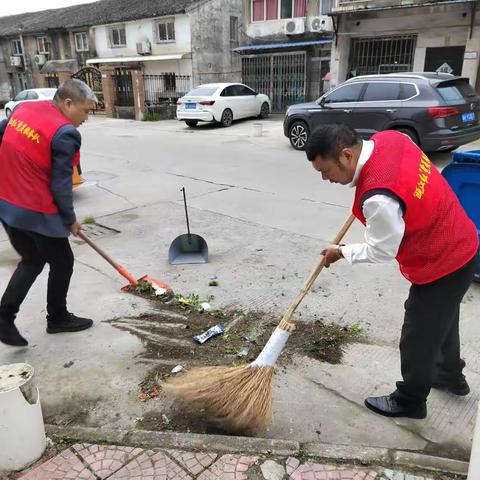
x=238 y=397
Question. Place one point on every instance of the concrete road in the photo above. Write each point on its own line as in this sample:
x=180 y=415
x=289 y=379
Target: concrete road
x=265 y=214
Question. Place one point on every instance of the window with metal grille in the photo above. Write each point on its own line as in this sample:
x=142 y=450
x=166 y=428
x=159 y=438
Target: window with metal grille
x=81 y=42
x=42 y=44
x=17 y=47
x=118 y=37
x=166 y=30
x=234 y=30
x=374 y=55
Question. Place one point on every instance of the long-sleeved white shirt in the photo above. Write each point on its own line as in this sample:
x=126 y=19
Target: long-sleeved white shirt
x=385 y=226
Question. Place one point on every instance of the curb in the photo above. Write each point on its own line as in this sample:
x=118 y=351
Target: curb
x=189 y=441
x=239 y=445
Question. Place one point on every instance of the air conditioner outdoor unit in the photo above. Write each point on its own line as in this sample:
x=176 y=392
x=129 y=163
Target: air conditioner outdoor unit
x=295 y=26
x=323 y=23
x=16 y=61
x=40 y=59
x=144 y=48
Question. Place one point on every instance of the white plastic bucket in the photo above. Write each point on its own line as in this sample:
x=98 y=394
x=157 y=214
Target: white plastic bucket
x=22 y=431
x=257 y=129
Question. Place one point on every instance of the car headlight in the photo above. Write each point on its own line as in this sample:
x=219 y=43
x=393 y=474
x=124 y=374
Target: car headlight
x=288 y=110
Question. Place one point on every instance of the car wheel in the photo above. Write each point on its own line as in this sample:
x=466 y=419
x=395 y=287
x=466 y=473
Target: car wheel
x=8 y=112
x=227 y=118
x=191 y=123
x=264 y=110
x=410 y=133
x=298 y=135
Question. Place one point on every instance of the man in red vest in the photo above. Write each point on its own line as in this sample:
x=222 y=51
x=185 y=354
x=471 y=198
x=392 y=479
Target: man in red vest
x=413 y=216
x=40 y=145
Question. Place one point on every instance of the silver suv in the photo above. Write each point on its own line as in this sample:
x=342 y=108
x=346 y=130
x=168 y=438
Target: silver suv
x=437 y=111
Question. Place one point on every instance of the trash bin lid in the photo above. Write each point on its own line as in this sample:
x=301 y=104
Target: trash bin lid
x=14 y=376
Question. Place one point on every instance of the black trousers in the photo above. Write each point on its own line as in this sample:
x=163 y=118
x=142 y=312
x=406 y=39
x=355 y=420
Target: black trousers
x=35 y=251
x=430 y=340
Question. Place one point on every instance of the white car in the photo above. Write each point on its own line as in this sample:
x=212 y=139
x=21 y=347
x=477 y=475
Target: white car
x=223 y=103
x=32 y=95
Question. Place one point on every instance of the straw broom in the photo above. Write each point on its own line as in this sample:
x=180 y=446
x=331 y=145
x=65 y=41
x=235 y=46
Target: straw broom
x=241 y=397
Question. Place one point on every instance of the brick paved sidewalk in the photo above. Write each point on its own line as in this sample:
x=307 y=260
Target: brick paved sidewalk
x=99 y=462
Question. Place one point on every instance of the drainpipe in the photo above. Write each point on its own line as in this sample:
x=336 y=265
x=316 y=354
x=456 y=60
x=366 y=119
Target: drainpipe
x=24 y=56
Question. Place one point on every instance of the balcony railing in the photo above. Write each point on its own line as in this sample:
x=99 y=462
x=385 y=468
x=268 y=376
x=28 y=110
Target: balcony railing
x=353 y=5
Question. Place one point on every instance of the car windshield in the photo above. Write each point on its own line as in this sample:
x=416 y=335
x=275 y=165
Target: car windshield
x=202 y=92
x=21 y=96
x=49 y=93
x=455 y=91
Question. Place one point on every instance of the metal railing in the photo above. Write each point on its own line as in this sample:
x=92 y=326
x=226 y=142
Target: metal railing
x=93 y=78
x=351 y=5
x=123 y=88
x=52 y=80
x=165 y=87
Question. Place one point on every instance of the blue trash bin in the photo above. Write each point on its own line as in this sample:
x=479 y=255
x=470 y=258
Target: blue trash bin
x=463 y=175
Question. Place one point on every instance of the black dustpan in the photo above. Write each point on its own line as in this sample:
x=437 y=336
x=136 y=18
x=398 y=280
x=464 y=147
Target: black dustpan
x=189 y=247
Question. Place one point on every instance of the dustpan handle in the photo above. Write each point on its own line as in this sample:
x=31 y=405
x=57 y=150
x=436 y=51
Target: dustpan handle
x=186 y=211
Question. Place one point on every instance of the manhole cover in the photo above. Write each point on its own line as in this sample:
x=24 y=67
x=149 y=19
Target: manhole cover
x=96 y=230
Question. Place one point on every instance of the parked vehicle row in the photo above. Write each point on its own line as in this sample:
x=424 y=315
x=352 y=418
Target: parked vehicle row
x=437 y=111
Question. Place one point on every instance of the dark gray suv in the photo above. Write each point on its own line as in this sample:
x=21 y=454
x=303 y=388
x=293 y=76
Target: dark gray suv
x=437 y=111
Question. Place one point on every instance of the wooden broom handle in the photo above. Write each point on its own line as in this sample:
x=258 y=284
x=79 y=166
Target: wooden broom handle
x=313 y=276
x=98 y=250
x=121 y=270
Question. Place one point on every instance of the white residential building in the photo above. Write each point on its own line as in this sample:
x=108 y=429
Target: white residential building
x=159 y=45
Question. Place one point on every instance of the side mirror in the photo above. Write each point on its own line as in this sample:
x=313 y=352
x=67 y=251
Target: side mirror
x=322 y=102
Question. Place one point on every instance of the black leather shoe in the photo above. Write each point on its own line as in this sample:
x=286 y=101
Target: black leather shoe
x=10 y=335
x=68 y=323
x=458 y=387
x=388 y=406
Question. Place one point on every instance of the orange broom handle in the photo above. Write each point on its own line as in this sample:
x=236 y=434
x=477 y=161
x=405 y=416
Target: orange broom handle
x=121 y=270
x=313 y=276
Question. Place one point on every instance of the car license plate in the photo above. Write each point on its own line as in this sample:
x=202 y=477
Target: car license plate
x=190 y=106
x=468 y=117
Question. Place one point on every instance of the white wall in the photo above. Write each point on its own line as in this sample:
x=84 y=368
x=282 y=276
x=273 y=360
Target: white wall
x=471 y=65
x=266 y=28
x=180 y=67
x=142 y=30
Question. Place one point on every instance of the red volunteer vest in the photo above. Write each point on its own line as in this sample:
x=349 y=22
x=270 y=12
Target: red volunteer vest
x=439 y=237
x=25 y=156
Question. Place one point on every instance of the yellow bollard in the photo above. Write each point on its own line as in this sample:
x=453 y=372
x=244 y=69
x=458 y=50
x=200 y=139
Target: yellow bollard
x=77 y=179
